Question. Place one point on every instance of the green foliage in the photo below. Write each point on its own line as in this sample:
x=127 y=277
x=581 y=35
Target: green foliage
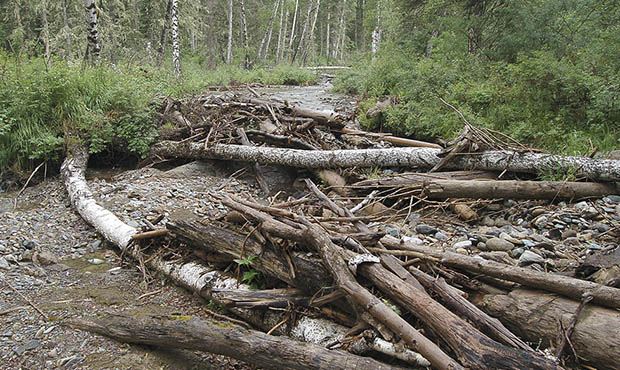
x=109 y=107
x=250 y=276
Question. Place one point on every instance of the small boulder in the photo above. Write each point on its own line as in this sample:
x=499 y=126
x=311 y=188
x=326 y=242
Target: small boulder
x=529 y=257
x=498 y=244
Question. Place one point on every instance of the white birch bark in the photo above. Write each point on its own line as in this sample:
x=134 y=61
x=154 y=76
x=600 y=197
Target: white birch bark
x=281 y=30
x=309 y=48
x=328 y=45
x=176 y=47
x=601 y=169
x=292 y=38
x=302 y=38
x=244 y=36
x=263 y=50
x=230 y=33
x=199 y=278
x=94 y=46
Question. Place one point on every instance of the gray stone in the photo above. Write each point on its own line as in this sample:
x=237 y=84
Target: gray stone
x=572 y=241
x=31 y=344
x=462 y=244
x=440 y=236
x=393 y=231
x=94 y=245
x=537 y=212
x=517 y=252
x=425 y=229
x=568 y=233
x=29 y=244
x=529 y=257
x=462 y=251
x=413 y=240
x=4 y=264
x=613 y=199
x=540 y=221
x=601 y=228
x=487 y=221
x=497 y=244
x=509 y=238
x=96 y=261
x=581 y=206
x=45 y=257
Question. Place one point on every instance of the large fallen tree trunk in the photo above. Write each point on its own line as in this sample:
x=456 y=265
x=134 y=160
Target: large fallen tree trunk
x=408 y=178
x=601 y=169
x=196 y=277
x=564 y=285
x=229 y=340
x=536 y=315
x=509 y=189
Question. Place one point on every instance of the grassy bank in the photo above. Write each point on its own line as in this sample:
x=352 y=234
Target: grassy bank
x=109 y=107
x=558 y=105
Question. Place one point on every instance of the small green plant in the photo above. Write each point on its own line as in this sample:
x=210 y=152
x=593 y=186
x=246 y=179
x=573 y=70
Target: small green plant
x=250 y=276
x=555 y=174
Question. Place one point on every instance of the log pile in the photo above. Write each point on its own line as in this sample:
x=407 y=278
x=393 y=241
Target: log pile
x=337 y=267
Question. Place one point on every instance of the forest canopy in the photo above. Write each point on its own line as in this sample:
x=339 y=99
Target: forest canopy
x=543 y=71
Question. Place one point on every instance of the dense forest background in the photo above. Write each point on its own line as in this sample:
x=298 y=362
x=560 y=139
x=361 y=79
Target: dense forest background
x=543 y=71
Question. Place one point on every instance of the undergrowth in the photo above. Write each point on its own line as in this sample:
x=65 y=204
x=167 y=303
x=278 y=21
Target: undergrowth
x=109 y=107
x=539 y=100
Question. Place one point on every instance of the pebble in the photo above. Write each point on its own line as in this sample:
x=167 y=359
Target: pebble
x=540 y=222
x=612 y=199
x=572 y=241
x=581 y=206
x=96 y=261
x=4 y=264
x=31 y=344
x=413 y=240
x=517 y=252
x=46 y=257
x=487 y=221
x=509 y=238
x=569 y=233
x=537 y=212
x=529 y=257
x=462 y=244
x=425 y=229
x=601 y=228
x=497 y=244
x=462 y=251
x=393 y=231
x=440 y=236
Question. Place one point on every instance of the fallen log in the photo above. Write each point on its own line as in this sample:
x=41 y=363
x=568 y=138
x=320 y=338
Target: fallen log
x=563 y=285
x=407 y=178
x=229 y=340
x=395 y=140
x=196 y=277
x=509 y=189
x=536 y=315
x=594 y=169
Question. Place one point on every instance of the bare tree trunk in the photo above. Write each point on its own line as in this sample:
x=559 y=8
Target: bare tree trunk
x=251 y=346
x=601 y=169
x=93 y=48
x=292 y=38
x=263 y=50
x=328 y=45
x=359 y=24
x=67 y=30
x=339 y=50
x=310 y=46
x=281 y=31
x=302 y=38
x=244 y=36
x=176 y=47
x=230 y=33
x=161 y=49
x=46 y=34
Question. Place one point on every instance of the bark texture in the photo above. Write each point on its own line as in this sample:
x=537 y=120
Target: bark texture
x=176 y=46
x=607 y=170
x=226 y=339
x=536 y=315
x=94 y=46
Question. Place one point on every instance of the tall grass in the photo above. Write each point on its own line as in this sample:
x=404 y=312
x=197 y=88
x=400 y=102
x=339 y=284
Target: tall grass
x=108 y=107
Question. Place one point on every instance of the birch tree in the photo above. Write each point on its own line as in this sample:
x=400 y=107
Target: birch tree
x=93 y=48
x=281 y=30
x=292 y=37
x=244 y=36
x=263 y=50
x=176 y=48
x=230 y=33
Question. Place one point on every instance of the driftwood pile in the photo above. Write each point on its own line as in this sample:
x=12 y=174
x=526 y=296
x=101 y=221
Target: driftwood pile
x=333 y=275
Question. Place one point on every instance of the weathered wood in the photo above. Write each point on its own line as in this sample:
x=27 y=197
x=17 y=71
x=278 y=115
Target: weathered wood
x=535 y=316
x=275 y=298
x=461 y=306
x=595 y=169
x=395 y=140
x=563 y=285
x=510 y=189
x=408 y=178
x=193 y=276
x=229 y=340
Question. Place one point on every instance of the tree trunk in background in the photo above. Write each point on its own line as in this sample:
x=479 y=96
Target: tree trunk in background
x=339 y=49
x=45 y=34
x=67 y=30
x=294 y=25
x=176 y=47
x=230 y=32
x=244 y=36
x=281 y=29
x=310 y=45
x=327 y=36
x=263 y=50
x=93 y=48
x=304 y=31
x=164 y=35
x=359 y=24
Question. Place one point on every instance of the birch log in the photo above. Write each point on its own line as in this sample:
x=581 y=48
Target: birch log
x=198 y=278
x=594 y=169
x=229 y=340
x=176 y=46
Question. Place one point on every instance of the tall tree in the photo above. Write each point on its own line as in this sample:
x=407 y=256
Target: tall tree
x=281 y=31
x=229 y=47
x=244 y=36
x=176 y=46
x=93 y=48
x=294 y=25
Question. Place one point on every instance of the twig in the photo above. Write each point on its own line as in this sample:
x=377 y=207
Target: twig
x=26 y=184
x=26 y=299
x=148 y=294
x=566 y=334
